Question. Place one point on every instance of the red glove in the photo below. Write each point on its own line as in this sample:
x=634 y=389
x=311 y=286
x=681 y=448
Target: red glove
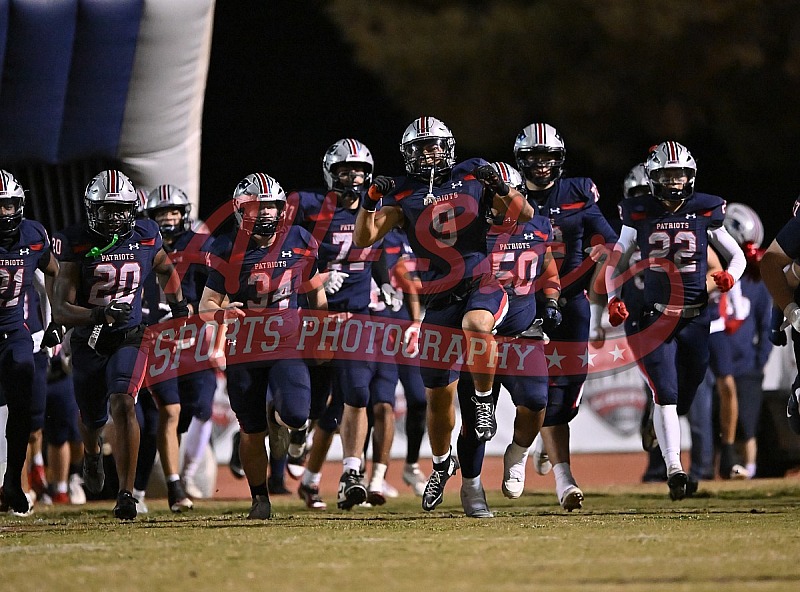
x=617 y=312
x=724 y=280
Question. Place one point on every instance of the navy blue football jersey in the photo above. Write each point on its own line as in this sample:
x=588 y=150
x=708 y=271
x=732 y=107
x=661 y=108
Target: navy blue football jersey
x=448 y=231
x=265 y=277
x=518 y=255
x=117 y=274
x=192 y=265
x=680 y=238
x=789 y=236
x=333 y=227
x=18 y=263
x=571 y=205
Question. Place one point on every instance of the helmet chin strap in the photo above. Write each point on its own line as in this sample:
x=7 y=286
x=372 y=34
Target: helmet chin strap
x=95 y=252
x=429 y=199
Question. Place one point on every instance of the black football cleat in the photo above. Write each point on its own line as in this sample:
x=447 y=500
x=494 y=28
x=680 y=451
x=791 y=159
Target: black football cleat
x=677 y=483
x=485 y=421
x=261 y=509
x=235 y=463
x=434 y=490
x=351 y=490
x=126 y=506
x=94 y=475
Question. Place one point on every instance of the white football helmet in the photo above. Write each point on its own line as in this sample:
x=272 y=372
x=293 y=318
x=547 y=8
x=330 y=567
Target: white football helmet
x=668 y=162
x=744 y=224
x=636 y=182
x=11 y=194
x=422 y=133
x=141 y=207
x=111 y=203
x=253 y=190
x=170 y=197
x=347 y=150
x=510 y=175
x=532 y=144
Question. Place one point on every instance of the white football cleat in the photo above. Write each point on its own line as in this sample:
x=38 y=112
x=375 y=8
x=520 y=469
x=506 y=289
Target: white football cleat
x=572 y=498
x=513 y=474
x=541 y=462
x=413 y=476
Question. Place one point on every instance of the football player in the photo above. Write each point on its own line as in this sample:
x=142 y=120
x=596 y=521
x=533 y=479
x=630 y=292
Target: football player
x=24 y=248
x=98 y=291
x=780 y=256
x=672 y=227
x=272 y=263
x=523 y=264
x=578 y=224
x=443 y=205
x=346 y=271
x=184 y=403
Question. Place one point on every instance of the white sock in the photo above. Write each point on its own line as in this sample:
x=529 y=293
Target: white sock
x=61 y=487
x=751 y=469
x=516 y=452
x=172 y=478
x=668 y=432
x=483 y=393
x=38 y=459
x=195 y=443
x=352 y=463
x=311 y=479
x=138 y=494
x=378 y=475
x=440 y=459
x=564 y=479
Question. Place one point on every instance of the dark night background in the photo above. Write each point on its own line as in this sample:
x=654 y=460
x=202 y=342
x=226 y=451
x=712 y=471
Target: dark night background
x=287 y=79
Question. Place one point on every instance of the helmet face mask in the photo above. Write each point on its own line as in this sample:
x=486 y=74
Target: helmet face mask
x=258 y=204
x=428 y=146
x=671 y=171
x=346 y=156
x=111 y=201
x=12 y=203
x=166 y=198
x=540 y=154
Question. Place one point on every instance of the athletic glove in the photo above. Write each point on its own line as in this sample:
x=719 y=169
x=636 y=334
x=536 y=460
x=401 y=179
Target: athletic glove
x=552 y=315
x=334 y=282
x=380 y=186
x=487 y=175
x=617 y=312
x=119 y=312
x=792 y=314
x=390 y=297
x=53 y=335
x=724 y=280
x=411 y=340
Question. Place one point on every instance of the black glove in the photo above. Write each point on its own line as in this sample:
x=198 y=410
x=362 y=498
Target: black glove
x=777 y=337
x=119 y=311
x=53 y=335
x=551 y=318
x=487 y=175
x=179 y=309
x=380 y=186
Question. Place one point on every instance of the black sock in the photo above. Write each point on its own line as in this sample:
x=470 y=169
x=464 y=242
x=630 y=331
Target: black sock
x=259 y=490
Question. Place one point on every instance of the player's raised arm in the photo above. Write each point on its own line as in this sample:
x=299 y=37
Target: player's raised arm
x=372 y=226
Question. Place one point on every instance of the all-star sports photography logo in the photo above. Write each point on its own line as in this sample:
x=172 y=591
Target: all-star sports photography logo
x=182 y=346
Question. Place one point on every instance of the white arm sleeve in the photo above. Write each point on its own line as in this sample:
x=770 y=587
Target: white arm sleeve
x=625 y=247
x=730 y=251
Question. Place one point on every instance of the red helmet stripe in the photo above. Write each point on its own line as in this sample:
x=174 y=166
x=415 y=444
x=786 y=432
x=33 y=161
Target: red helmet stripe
x=353 y=145
x=423 y=125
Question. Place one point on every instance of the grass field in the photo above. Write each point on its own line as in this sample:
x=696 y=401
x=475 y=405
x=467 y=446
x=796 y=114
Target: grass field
x=733 y=536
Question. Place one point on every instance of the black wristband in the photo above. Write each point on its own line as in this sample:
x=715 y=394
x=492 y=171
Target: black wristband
x=368 y=204
x=98 y=315
x=502 y=189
